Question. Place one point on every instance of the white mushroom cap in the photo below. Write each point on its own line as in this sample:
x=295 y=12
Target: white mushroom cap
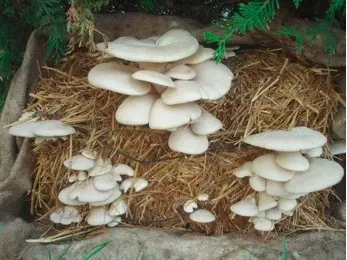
x=135 y=110
x=203 y=197
x=117 y=78
x=266 y=167
x=321 y=175
x=244 y=170
x=63 y=195
x=154 y=77
x=53 y=128
x=190 y=206
x=214 y=79
x=115 y=222
x=79 y=162
x=201 y=55
x=118 y=208
x=202 y=216
x=86 y=192
x=123 y=169
x=263 y=224
x=98 y=217
x=89 y=154
x=126 y=184
x=158 y=67
x=266 y=202
x=115 y=195
x=65 y=216
x=261 y=214
x=185 y=91
x=314 y=152
x=206 y=124
x=276 y=188
x=140 y=184
x=257 y=183
x=246 y=207
x=24 y=129
x=183 y=140
x=295 y=195
x=181 y=71
x=159 y=89
x=273 y=214
x=293 y=161
x=73 y=178
x=172 y=46
x=286 y=204
x=82 y=175
x=164 y=117
x=101 y=167
x=105 y=182
x=338 y=147
x=299 y=138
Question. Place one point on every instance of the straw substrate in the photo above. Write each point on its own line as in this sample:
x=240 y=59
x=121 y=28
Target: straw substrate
x=269 y=92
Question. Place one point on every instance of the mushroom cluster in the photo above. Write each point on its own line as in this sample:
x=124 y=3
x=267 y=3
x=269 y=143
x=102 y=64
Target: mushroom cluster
x=164 y=76
x=99 y=184
x=198 y=215
x=29 y=126
x=280 y=177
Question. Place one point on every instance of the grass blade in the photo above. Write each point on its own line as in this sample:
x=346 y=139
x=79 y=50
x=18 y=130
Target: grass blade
x=95 y=250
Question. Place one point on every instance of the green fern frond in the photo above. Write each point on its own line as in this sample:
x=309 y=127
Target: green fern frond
x=297 y=3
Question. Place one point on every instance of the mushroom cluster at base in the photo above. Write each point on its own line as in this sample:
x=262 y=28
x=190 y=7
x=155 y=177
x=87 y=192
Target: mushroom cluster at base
x=29 y=126
x=279 y=178
x=99 y=184
x=166 y=75
x=196 y=214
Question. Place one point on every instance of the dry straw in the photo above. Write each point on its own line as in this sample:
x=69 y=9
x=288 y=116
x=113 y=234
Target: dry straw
x=269 y=92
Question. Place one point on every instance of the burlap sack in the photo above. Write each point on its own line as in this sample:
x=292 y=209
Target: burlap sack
x=16 y=165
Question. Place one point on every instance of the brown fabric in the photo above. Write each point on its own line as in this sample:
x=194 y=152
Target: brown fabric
x=15 y=157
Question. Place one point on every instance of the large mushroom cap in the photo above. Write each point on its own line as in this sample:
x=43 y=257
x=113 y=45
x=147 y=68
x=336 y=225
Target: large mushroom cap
x=164 y=117
x=105 y=182
x=185 y=91
x=86 y=192
x=135 y=110
x=181 y=71
x=206 y=124
x=50 y=128
x=299 y=138
x=171 y=46
x=63 y=195
x=79 y=162
x=321 y=175
x=214 y=79
x=154 y=78
x=292 y=161
x=117 y=78
x=263 y=224
x=246 y=207
x=202 y=216
x=266 y=167
x=24 y=129
x=185 y=141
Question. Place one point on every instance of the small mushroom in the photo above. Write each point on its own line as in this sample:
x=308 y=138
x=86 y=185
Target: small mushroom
x=190 y=206
x=154 y=78
x=63 y=195
x=266 y=167
x=246 y=207
x=89 y=154
x=206 y=124
x=101 y=167
x=298 y=138
x=126 y=184
x=276 y=188
x=118 y=208
x=65 y=216
x=115 y=222
x=82 y=175
x=184 y=92
x=98 y=217
x=73 y=178
x=123 y=169
x=203 y=197
x=257 y=183
x=273 y=214
x=202 y=216
x=292 y=161
x=338 y=147
x=140 y=184
x=105 y=182
x=79 y=162
x=263 y=224
x=244 y=171
x=181 y=71
x=183 y=140
x=52 y=128
x=266 y=202
x=314 y=152
x=286 y=204
x=201 y=55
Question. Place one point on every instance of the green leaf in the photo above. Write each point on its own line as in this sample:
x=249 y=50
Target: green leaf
x=95 y=250
x=284 y=249
x=64 y=252
x=297 y=3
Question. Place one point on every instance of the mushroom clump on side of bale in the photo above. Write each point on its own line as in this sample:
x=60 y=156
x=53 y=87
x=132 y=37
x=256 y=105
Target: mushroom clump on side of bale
x=101 y=185
x=291 y=170
x=165 y=78
x=44 y=130
x=199 y=215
